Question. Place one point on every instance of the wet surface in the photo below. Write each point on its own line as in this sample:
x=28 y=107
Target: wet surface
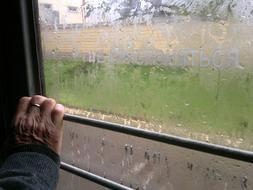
x=144 y=164
x=221 y=139
x=174 y=66
x=68 y=181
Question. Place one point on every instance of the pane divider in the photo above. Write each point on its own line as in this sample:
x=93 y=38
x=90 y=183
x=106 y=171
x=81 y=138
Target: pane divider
x=93 y=177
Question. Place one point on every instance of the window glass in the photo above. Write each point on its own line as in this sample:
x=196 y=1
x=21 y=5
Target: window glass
x=181 y=67
x=69 y=181
x=147 y=165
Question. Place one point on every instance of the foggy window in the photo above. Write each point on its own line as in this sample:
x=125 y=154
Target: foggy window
x=180 y=67
x=176 y=67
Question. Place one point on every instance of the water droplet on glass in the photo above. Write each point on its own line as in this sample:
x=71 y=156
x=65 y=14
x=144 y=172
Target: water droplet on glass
x=73 y=52
x=186 y=104
x=126 y=147
x=179 y=125
x=103 y=142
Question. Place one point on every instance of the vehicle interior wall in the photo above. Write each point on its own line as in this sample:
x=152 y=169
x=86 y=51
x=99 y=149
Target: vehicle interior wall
x=15 y=82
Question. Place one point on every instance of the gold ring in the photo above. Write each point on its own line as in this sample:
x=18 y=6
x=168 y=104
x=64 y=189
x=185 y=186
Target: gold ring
x=36 y=105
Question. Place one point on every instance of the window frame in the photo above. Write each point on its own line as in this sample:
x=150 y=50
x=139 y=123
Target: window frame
x=20 y=50
x=29 y=80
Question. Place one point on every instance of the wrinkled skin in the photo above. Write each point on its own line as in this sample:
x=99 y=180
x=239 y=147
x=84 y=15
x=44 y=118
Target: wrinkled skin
x=38 y=125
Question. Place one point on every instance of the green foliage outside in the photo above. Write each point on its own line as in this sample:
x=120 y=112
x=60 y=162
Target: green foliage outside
x=200 y=99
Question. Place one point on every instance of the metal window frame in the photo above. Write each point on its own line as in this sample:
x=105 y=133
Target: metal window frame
x=21 y=55
x=93 y=177
x=32 y=82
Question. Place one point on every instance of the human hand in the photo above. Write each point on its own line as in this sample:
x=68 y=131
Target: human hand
x=38 y=120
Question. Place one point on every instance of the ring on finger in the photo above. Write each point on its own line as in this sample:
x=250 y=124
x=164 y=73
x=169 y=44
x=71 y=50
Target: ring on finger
x=36 y=105
x=34 y=108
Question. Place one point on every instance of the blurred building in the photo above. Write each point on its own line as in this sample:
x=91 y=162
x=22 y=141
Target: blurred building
x=60 y=12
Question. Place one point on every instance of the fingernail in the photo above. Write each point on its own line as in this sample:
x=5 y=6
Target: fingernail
x=59 y=107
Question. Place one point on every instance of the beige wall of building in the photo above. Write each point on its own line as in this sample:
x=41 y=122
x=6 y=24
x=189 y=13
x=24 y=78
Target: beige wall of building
x=69 y=10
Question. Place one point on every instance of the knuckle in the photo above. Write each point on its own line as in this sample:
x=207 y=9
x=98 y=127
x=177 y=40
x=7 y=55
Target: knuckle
x=49 y=101
x=37 y=97
x=24 y=99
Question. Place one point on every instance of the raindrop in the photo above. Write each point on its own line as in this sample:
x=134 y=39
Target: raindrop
x=73 y=52
x=244 y=182
x=146 y=155
x=131 y=150
x=103 y=142
x=154 y=158
x=179 y=125
x=186 y=104
x=159 y=157
x=126 y=148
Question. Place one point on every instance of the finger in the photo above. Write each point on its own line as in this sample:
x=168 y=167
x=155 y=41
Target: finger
x=47 y=108
x=57 y=115
x=21 y=110
x=57 y=118
x=36 y=100
x=22 y=106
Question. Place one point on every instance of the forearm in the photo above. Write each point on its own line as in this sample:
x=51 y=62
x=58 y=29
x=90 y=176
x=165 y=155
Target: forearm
x=30 y=167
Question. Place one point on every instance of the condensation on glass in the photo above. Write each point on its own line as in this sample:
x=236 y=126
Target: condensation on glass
x=182 y=67
x=147 y=165
x=68 y=181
